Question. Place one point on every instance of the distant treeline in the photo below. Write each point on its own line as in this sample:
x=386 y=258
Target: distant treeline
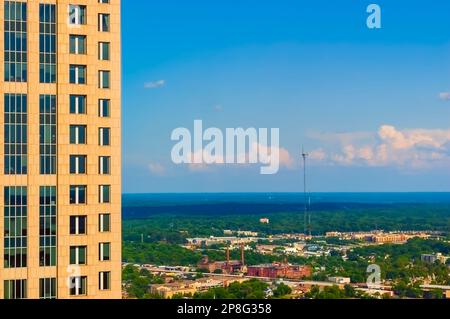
x=174 y=224
x=133 y=212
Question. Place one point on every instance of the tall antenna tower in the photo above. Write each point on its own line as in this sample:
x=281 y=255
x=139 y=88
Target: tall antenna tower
x=307 y=215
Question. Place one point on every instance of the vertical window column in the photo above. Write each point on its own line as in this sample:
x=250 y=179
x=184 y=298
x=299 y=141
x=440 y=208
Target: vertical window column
x=47 y=43
x=15 y=41
x=47 y=226
x=15 y=134
x=15 y=289
x=47 y=134
x=47 y=288
x=15 y=227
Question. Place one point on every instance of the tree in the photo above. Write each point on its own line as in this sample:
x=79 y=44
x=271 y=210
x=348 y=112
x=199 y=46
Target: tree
x=282 y=290
x=404 y=289
x=349 y=291
x=435 y=294
x=137 y=282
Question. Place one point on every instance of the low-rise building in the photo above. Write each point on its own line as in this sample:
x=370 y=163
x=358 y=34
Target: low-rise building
x=190 y=287
x=332 y=234
x=205 y=284
x=226 y=267
x=291 y=251
x=432 y=258
x=266 y=249
x=229 y=240
x=379 y=236
x=388 y=238
x=246 y=233
x=240 y=233
x=169 y=290
x=339 y=280
x=279 y=270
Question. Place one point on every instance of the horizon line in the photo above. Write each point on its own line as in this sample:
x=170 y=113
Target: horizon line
x=297 y=192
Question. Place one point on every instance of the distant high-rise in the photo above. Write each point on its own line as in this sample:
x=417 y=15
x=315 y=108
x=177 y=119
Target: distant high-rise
x=60 y=162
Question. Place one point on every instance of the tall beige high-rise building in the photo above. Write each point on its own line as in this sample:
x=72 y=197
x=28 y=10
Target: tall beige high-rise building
x=60 y=153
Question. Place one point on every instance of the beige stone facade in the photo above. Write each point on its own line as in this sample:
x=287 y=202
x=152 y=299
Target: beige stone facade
x=61 y=271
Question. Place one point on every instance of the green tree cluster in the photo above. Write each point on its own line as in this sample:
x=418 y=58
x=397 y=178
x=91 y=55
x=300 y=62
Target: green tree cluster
x=137 y=281
x=252 y=289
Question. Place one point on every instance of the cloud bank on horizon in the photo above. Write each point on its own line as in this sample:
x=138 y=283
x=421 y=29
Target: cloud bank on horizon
x=388 y=147
x=409 y=148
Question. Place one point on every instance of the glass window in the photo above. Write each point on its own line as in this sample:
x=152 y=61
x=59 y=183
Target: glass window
x=78 y=164
x=104 y=108
x=78 y=286
x=78 y=134
x=104 y=194
x=104 y=280
x=47 y=288
x=103 y=22
x=78 y=225
x=47 y=43
x=15 y=134
x=78 y=194
x=104 y=165
x=78 y=104
x=78 y=255
x=77 y=14
x=47 y=226
x=15 y=227
x=103 y=51
x=77 y=74
x=104 y=79
x=47 y=134
x=104 y=251
x=15 y=289
x=104 y=136
x=15 y=41
x=104 y=223
x=77 y=44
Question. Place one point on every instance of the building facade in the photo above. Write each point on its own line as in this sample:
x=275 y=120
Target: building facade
x=279 y=270
x=60 y=159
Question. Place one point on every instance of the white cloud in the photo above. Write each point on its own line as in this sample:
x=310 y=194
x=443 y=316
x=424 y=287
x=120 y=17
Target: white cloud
x=157 y=169
x=285 y=158
x=414 y=148
x=445 y=96
x=155 y=84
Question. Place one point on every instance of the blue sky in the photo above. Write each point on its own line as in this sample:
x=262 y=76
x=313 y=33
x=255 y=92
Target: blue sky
x=371 y=106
